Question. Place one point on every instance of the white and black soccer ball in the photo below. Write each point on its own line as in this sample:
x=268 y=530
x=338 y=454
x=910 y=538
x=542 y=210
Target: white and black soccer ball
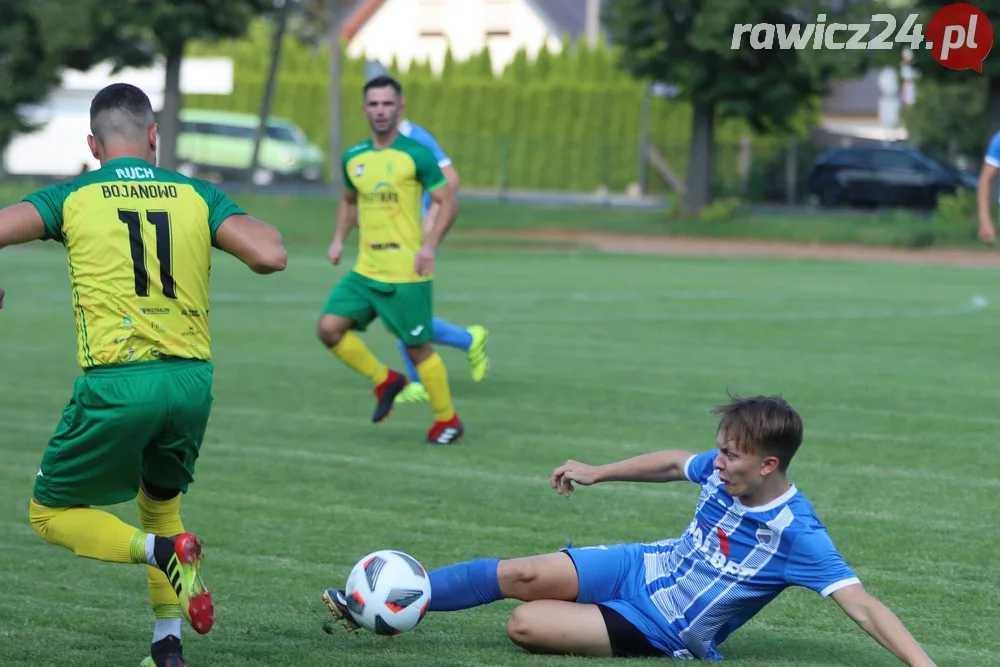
x=388 y=592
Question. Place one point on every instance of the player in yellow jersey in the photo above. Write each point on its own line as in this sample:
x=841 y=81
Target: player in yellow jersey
x=385 y=179
x=139 y=243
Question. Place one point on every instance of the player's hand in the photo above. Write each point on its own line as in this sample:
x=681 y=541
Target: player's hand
x=335 y=251
x=572 y=471
x=1 y=298
x=987 y=233
x=424 y=263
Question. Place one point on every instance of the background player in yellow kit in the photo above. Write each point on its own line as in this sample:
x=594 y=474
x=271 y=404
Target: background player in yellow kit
x=385 y=179
x=139 y=243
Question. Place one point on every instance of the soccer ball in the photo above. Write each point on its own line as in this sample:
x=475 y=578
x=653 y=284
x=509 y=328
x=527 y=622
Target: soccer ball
x=388 y=592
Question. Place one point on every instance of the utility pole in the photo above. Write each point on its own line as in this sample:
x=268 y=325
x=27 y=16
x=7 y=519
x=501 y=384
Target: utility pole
x=593 y=21
x=337 y=11
x=272 y=78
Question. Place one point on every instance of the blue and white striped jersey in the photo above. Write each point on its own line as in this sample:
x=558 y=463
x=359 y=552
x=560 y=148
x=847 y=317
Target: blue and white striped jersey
x=423 y=136
x=732 y=560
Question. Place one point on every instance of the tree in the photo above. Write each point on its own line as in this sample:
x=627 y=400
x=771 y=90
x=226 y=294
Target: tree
x=963 y=82
x=171 y=25
x=935 y=127
x=43 y=37
x=689 y=43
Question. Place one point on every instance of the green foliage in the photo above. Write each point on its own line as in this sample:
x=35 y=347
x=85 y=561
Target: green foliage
x=723 y=209
x=582 y=109
x=689 y=43
x=39 y=38
x=173 y=24
x=947 y=111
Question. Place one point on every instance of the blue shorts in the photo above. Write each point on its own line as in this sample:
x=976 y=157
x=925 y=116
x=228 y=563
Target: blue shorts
x=615 y=576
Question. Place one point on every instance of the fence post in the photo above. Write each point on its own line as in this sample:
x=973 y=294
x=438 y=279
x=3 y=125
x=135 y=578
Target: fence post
x=606 y=173
x=642 y=173
x=792 y=171
x=502 y=175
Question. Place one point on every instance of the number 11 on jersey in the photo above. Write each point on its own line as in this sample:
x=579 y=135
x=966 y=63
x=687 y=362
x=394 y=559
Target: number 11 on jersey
x=160 y=220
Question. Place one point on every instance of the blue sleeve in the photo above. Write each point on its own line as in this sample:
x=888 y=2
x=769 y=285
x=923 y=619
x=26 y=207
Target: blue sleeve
x=700 y=467
x=427 y=139
x=993 y=152
x=814 y=563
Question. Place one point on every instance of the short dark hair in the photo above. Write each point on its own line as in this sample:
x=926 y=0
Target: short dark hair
x=122 y=110
x=765 y=425
x=383 y=81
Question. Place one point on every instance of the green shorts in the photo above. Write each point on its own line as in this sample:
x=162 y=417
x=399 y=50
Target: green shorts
x=405 y=308
x=145 y=420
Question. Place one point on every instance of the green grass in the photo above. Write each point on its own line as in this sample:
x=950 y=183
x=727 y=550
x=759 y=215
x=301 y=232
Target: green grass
x=595 y=357
x=310 y=219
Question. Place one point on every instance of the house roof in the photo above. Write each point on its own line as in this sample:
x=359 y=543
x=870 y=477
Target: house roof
x=854 y=96
x=357 y=15
x=565 y=17
x=562 y=16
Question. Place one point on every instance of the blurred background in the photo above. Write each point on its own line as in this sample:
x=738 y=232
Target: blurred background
x=620 y=102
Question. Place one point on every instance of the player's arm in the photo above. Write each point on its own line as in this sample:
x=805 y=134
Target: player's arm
x=884 y=627
x=447 y=211
x=347 y=216
x=991 y=163
x=663 y=466
x=455 y=182
x=20 y=223
x=255 y=243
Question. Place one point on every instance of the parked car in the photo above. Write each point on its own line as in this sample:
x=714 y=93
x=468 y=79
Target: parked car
x=889 y=175
x=220 y=143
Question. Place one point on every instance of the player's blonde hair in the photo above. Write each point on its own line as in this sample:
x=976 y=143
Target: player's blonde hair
x=765 y=425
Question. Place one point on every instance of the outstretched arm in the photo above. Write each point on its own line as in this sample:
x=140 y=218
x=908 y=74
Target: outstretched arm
x=663 y=466
x=884 y=627
x=20 y=223
x=256 y=244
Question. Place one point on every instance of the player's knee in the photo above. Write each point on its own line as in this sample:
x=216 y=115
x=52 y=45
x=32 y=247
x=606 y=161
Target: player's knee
x=328 y=331
x=159 y=493
x=516 y=574
x=519 y=628
x=420 y=353
x=39 y=516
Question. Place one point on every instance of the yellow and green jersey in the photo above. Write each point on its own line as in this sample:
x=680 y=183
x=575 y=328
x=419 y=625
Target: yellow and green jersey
x=390 y=184
x=139 y=243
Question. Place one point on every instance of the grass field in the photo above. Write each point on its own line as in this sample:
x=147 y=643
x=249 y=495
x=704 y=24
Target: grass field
x=307 y=219
x=595 y=357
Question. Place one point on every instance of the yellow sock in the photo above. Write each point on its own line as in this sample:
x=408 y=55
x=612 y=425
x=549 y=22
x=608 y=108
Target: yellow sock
x=89 y=533
x=161 y=517
x=435 y=379
x=354 y=354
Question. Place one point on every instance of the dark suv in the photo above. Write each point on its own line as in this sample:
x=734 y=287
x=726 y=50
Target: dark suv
x=891 y=175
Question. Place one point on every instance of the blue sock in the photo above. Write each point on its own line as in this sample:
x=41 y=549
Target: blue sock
x=411 y=370
x=465 y=585
x=451 y=335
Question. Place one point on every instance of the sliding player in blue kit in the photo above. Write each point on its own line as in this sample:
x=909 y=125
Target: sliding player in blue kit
x=752 y=536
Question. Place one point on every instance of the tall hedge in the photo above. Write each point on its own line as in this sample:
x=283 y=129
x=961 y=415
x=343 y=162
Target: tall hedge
x=565 y=121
